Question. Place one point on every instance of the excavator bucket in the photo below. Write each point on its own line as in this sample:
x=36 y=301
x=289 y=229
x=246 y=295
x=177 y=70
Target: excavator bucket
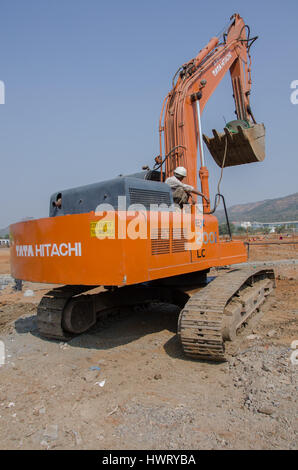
x=239 y=144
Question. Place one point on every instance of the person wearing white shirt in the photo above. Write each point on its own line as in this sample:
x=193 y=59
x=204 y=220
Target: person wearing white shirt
x=181 y=191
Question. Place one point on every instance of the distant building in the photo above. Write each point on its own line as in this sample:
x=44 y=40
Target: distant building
x=245 y=224
x=4 y=242
x=257 y=225
x=288 y=224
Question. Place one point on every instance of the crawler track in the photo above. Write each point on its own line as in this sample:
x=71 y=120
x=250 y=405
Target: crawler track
x=214 y=313
x=50 y=311
x=209 y=317
x=56 y=307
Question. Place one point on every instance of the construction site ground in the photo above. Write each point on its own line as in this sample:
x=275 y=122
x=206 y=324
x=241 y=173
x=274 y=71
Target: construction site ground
x=129 y=386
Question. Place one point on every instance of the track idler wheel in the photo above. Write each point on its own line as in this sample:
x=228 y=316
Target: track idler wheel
x=79 y=315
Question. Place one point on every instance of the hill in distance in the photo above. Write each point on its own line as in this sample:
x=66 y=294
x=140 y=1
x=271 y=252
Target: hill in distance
x=5 y=231
x=270 y=210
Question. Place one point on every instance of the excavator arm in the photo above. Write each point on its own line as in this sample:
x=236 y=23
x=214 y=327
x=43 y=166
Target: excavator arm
x=182 y=108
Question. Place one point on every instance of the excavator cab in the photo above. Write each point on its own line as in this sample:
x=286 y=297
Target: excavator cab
x=240 y=143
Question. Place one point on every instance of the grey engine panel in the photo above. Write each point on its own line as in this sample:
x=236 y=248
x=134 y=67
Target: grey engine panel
x=136 y=188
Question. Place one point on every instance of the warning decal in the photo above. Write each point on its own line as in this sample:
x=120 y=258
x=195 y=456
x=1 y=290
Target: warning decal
x=102 y=229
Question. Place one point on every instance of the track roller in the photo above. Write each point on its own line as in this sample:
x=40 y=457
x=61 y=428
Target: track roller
x=214 y=314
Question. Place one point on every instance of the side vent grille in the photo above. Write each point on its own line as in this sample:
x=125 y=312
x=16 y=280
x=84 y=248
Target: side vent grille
x=147 y=197
x=178 y=240
x=160 y=242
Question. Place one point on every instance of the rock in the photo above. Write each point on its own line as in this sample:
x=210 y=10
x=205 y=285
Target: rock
x=45 y=444
x=285 y=380
x=265 y=368
x=51 y=432
x=28 y=293
x=90 y=375
x=101 y=384
x=265 y=410
x=39 y=411
x=243 y=359
x=78 y=438
x=252 y=337
x=102 y=362
x=157 y=376
x=271 y=333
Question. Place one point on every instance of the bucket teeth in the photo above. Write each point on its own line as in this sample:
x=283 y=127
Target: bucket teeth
x=243 y=146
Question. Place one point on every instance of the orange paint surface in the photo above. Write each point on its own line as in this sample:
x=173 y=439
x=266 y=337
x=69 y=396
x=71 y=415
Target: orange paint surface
x=65 y=250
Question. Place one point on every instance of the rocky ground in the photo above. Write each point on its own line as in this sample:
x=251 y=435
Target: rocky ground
x=128 y=386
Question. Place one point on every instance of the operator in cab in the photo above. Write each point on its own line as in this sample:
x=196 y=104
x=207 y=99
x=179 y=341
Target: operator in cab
x=181 y=191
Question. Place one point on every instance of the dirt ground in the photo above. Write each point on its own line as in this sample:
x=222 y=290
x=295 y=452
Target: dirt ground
x=4 y=260
x=129 y=386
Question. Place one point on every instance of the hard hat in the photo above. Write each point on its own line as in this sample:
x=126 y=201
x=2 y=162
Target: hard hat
x=181 y=171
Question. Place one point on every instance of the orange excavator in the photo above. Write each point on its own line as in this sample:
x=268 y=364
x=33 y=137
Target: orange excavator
x=127 y=236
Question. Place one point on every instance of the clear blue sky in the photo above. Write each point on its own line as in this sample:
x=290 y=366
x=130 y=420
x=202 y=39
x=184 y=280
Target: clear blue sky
x=85 y=80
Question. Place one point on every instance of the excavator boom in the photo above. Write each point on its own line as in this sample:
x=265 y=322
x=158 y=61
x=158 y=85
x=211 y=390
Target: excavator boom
x=197 y=80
